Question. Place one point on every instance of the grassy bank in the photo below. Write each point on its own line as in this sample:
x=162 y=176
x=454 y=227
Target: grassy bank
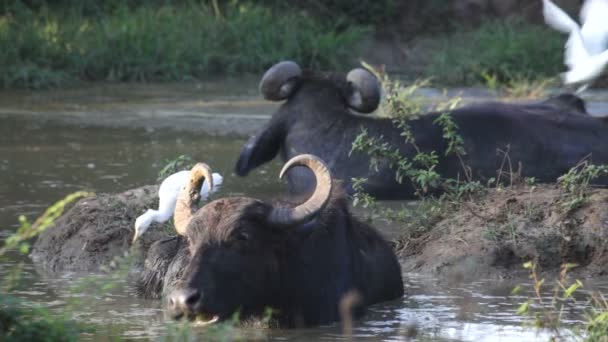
x=498 y=53
x=46 y=46
x=51 y=42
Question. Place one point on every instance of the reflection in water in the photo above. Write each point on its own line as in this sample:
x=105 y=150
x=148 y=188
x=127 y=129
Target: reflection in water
x=480 y=311
x=42 y=162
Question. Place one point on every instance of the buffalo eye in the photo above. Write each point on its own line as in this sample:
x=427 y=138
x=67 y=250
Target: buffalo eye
x=243 y=236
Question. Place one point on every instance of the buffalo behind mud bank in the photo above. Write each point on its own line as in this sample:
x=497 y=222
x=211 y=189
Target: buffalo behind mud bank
x=545 y=138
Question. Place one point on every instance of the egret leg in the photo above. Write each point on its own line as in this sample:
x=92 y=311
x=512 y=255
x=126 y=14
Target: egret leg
x=582 y=88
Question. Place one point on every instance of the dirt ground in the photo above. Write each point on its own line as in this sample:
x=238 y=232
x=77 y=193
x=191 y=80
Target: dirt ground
x=491 y=236
x=95 y=230
x=495 y=234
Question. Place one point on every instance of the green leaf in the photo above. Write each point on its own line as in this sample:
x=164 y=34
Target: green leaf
x=24 y=248
x=523 y=309
x=516 y=290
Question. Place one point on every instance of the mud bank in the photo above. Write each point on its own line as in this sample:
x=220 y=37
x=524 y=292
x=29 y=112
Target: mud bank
x=491 y=236
x=95 y=230
x=496 y=233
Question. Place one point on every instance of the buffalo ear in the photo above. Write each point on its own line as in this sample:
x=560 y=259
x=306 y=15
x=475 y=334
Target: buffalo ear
x=280 y=81
x=260 y=148
x=569 y=102
x=365 y=91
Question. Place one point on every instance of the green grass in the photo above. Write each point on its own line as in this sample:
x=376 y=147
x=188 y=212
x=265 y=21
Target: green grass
x=499 y=52
x=48 y=46
x=18 y=323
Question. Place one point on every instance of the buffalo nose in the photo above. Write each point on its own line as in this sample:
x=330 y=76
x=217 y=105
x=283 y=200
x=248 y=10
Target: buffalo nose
x=184 y=300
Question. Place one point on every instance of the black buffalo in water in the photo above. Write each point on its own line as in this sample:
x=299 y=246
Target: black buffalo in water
x=546 y=138
x=245 y=255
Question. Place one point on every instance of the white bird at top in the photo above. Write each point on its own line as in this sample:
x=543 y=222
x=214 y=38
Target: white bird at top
x=586 y=51
x=167 y=197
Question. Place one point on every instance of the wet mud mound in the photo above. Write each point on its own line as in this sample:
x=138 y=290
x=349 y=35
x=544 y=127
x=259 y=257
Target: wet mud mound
x=95 y=230
x=497 y=232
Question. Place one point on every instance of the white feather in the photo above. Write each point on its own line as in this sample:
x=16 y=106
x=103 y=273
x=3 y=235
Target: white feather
x=594 y=16
x=585 y=72
x=167 y=197
x=556 y=18
x=575 y=50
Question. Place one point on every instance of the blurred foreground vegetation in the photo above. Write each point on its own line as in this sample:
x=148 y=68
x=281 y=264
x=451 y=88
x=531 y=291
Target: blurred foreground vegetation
x=20 y=320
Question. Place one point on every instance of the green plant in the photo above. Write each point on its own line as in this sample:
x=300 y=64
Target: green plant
x=548 y=312
x=18 y=321
x=518 y=87
x=182 y=162
x=419 y=168
x=400 y=101
x=402 y=104
x=528 y=88
x=597 y=319
x=27 y=230
x=575 y=183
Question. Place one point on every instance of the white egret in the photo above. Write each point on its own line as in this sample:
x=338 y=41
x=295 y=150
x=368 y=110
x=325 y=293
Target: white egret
x=586 y=51
x=167 y=197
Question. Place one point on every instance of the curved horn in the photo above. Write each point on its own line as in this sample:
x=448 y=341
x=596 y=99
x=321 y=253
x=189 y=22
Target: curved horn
x=366 y=90
x=316 y=202
x=189 y=196
x=280 y=80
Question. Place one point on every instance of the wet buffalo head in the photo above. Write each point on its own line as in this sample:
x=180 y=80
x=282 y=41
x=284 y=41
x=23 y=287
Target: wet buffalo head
x=235 y=249
x=308 y=96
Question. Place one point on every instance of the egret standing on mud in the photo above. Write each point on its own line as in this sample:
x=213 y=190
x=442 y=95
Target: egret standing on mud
x=167 y=197
x=586 y=51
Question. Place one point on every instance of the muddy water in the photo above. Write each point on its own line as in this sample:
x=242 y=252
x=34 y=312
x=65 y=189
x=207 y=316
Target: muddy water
x=40 y=163
x=112 y=138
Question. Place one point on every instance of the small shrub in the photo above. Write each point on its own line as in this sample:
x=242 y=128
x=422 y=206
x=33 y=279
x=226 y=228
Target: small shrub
x=548 y=312
x=597 y=320
x=182 y=162
x=419 y=170
x=575 y=183
x=544 y=313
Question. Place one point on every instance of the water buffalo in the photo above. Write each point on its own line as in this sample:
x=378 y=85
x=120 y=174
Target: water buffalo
x=547 y=138
x=245 y=255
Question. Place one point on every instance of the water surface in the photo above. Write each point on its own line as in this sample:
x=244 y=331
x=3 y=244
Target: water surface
x=44 y=157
